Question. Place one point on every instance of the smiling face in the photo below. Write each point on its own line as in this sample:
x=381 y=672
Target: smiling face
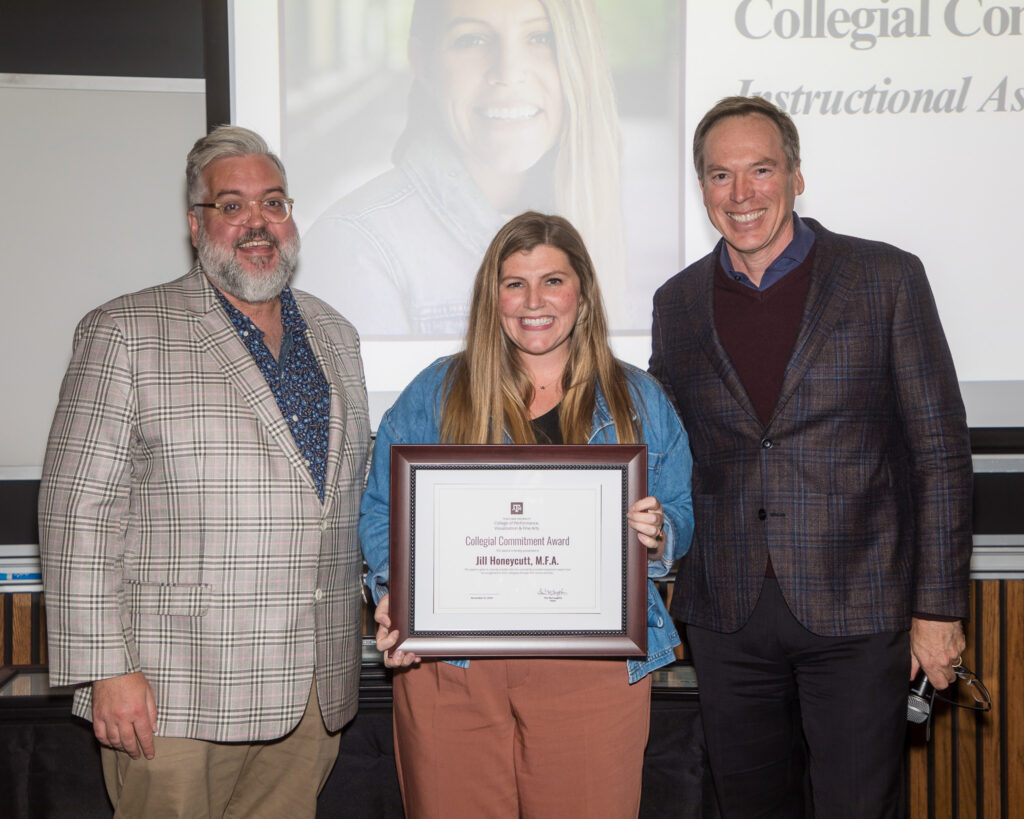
x=494 y=77
x=749 y=190
x=252 y=261
x=539 y=299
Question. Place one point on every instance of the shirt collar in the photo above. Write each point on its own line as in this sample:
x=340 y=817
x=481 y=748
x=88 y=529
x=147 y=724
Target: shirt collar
x=291 y=319
x=791 y=257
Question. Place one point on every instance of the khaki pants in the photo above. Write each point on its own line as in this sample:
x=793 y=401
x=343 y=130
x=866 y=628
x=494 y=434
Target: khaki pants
x=533 y=738
x=203 y=780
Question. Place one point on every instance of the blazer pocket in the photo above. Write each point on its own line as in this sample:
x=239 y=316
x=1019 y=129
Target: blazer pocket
x=168 y=599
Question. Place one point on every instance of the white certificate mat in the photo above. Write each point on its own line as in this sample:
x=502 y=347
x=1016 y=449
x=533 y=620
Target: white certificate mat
x=516 y=552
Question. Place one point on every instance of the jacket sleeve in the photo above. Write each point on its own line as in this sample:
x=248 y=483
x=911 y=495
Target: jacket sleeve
x=935 y=428
x=375 y=511
x=412 y=420
x=84 y=509
x=668 y=443
x=656 y=365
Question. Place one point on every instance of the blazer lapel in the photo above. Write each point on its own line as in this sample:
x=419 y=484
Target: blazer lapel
x=827 y=295
x=701 y=315
x=327 y=357
x=218 y=337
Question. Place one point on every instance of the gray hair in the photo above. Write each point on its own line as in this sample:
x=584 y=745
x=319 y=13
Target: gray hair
x=222 y=142
x=743 y=107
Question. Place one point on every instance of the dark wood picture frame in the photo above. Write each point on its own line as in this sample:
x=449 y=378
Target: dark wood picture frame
x=628 y=640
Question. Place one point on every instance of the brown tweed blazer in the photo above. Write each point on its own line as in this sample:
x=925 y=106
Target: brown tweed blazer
x=860 y=484
x=181 y=533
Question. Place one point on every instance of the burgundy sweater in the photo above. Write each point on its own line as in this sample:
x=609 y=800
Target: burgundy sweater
x=758 y=329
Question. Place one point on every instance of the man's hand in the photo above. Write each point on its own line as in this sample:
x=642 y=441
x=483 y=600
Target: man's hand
x=124 y=714
x=934 y=647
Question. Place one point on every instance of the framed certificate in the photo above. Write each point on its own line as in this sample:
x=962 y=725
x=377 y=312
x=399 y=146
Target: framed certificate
x=517 y=550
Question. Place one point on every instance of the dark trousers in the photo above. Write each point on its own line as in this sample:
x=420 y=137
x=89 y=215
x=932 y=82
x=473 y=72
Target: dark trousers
x=761 y=685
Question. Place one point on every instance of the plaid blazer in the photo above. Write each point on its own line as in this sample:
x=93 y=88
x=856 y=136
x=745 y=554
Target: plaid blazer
x=859 y=486
x=181 y=533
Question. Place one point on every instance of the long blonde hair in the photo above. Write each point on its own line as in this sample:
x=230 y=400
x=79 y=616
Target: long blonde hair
x=487 y=391
x=587 y=172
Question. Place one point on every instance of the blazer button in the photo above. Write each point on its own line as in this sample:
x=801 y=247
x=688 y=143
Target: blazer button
x=767 y=443
x=761 y=514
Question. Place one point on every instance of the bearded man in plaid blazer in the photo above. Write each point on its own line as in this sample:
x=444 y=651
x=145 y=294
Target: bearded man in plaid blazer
x=832 y=484
x=198 y=513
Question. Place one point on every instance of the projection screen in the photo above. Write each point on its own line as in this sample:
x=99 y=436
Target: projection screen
x=411 y=131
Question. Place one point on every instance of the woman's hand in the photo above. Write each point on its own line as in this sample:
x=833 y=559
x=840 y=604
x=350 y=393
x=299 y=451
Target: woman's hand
x=647 y=519
x=386 y=639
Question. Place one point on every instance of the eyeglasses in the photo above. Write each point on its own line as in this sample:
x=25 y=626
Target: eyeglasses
x=923 y=707
x=977 y=689
x=239 y=211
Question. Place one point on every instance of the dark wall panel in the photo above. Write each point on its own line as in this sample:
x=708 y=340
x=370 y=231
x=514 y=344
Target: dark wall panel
x=18 y=500
x=216 y=61
x=118 y=38
x=998 y=509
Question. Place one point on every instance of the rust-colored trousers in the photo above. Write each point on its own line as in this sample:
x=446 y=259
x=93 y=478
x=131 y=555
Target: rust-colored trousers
x=532 y=738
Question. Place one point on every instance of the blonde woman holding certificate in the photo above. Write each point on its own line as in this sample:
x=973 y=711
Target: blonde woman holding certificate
x=531 y=737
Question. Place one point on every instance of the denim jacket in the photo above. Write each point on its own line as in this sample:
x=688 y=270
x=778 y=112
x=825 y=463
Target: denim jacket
x=415 y=419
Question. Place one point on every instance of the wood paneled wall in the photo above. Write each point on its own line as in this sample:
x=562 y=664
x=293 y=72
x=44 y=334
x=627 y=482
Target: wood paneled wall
x=22 y=629
x=974 y=765
x=973 y=768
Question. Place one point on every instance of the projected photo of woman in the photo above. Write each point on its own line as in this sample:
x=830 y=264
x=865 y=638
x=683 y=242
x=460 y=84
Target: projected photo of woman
x=511 y=108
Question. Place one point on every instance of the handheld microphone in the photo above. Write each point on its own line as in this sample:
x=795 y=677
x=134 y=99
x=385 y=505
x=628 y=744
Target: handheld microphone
x=919 y=703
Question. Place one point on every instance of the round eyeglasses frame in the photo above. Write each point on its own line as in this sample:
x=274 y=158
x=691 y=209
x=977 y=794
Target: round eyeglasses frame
x=270 y=209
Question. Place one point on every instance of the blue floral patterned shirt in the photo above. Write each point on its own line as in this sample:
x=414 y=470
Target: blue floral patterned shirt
x=298 y=383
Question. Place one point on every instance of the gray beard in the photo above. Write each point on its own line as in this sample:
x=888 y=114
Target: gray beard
x=223 y=269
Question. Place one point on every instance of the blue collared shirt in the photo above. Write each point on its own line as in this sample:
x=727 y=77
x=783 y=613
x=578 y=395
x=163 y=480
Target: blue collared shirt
x=300 y=389
x=790 y=258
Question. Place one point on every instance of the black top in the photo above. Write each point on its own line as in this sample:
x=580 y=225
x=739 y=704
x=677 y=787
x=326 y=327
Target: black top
x=546 y=427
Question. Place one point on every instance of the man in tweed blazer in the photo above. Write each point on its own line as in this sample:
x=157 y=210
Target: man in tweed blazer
x=198 y=513
x=832 y=484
